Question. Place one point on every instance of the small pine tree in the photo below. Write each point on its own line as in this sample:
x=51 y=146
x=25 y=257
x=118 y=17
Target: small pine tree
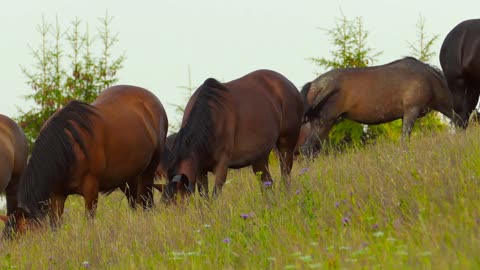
x=422 y=50
x=180 y=109
x=349 y=39
x=66 y=69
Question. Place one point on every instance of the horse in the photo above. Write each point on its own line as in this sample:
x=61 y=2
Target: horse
x=405 y=88
x=13 y=160
x=162 y=167
x=84 y=149
x=460 y=61
x=234 y=125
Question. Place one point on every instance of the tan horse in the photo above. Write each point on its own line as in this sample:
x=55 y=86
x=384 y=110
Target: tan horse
x=115 y=142
x=13 y=159
x=234 y=125
x=404 y=89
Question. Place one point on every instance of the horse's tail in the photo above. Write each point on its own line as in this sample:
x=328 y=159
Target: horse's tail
x=304 y=93
x=323 y=87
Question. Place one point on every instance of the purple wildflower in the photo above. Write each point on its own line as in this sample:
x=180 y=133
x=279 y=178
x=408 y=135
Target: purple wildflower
x=303 y=171
x=244 y=216
x=297 y=192
x=267 y=183
x=345 y=221
x=375 y=226
x=226 y=240
x=337 y=204
x=86 y=264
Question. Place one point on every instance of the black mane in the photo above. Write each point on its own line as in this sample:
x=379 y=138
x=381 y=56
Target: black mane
x=197 y=135
x=53 y=155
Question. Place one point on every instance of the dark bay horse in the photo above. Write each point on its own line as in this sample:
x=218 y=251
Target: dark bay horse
x=234 y=125
x=86 y=149
x=406 y=89
x=460 y=60
x=13 y=159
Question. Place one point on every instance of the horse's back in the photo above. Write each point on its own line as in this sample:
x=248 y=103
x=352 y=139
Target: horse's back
x=134 y=126
x=460 y=51
x=268 y=90
x=267 y=107
x=13 y=150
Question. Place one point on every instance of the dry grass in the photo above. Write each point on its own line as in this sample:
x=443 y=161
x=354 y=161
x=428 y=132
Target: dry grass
x=390 y=206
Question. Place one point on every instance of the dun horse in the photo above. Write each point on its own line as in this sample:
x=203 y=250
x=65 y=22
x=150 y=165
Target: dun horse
x=86 y=149
x=234 y=125
x=13 y=159
x=405 y=89
x=460 y=60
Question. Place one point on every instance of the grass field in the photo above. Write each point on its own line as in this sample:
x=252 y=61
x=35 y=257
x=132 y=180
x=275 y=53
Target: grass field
x=388 y=206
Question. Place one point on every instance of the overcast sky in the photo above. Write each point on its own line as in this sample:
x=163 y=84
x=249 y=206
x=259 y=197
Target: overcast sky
x=217 y=38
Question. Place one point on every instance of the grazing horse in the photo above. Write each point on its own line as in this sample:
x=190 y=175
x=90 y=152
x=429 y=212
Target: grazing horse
x=13 y=159
x=406 y=89
x=460 y=60
x=234 y=125
x=162 y=167
x=116 y=142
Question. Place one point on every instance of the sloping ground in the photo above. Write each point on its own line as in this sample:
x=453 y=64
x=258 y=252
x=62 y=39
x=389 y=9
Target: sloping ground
x=390 y=206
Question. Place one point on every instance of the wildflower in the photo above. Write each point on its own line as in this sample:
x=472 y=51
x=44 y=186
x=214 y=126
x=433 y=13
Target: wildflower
x=375 y=226
x=303 y=171
x=86 y=264
x=297 y=192
x=337 y=204
x=244 y=216
x=345 y=221
x=267 y=183
x=226 y=240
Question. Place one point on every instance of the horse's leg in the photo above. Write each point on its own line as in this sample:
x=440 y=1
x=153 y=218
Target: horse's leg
x=203 y=185
x=459 y=90
x=57 y=203
x=90 y=195
x=11 y=195
x=286 y=148
x=408 y=121
x=471 y=101
x=130 y=191
x=221 y=171
x=144 y=190
x=261 y=166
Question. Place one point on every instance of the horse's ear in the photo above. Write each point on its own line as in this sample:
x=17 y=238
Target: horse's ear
x=4 y=218
x=159 y=187
x=180 y=178
x=183 y=179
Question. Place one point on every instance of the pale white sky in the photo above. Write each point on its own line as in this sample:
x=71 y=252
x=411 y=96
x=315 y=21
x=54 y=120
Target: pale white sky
x=217 y=38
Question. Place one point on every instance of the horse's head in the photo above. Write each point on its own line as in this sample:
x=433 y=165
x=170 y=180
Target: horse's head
x=18 y=223
x=180 y=185
x=305 y=133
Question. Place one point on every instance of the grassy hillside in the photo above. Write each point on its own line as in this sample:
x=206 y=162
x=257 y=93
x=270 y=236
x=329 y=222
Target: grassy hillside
x=390 y=206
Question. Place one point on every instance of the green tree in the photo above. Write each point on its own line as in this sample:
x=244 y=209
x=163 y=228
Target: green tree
x=67 y=68
x=422 y=50
x=179 y=108
x=349 y=40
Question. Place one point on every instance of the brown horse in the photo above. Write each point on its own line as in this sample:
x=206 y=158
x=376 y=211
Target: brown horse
x=460 y=60
x=116 y=142
x=13 y=159
x=234 y=125
x=405 y=89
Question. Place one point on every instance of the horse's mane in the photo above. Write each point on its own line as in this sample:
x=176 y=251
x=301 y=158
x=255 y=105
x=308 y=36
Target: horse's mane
x=53 y=155
x=196 y=137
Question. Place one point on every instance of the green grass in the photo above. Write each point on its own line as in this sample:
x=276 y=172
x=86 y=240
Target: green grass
x=388 y=206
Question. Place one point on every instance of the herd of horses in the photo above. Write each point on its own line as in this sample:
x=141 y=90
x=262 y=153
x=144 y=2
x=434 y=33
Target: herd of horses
x=225 y=125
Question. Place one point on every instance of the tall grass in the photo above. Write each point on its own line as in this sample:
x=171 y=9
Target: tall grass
x=414 y=205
